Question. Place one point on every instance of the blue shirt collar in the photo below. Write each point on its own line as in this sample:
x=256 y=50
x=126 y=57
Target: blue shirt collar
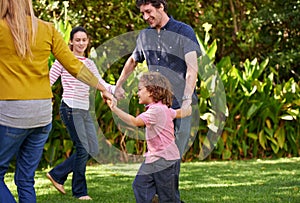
x=167 y=25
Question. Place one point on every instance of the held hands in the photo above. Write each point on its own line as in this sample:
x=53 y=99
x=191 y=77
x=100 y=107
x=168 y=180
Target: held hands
x=184 y=111
x=186 y=108
x=109 y=99
x=107 y=96
x=119 y=92
x=112 y=104
x=187 y=111
x=186 y=103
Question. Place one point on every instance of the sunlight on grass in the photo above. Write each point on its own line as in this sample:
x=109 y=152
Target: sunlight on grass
x=273 y=181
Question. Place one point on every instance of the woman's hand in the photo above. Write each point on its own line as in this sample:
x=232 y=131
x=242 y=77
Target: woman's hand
x=106 y=95
x=112 y=104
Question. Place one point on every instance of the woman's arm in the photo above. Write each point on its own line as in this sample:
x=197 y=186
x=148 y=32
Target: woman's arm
x=55 y=72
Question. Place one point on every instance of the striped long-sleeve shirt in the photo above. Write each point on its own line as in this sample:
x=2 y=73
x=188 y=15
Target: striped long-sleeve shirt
x=76 y=93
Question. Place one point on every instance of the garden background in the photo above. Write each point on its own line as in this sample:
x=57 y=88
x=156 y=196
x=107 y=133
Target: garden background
x=252 y=52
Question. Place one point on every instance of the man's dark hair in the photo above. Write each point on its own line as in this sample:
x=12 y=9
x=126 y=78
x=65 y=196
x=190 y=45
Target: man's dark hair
x=154 y=3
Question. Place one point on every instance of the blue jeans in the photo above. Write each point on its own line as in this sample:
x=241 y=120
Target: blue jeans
x=160 y=177
x=27 y=145
x=182 y=128
x=82 y=130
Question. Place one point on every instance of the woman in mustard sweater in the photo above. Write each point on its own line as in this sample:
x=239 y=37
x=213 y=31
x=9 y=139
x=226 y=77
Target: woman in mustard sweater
x=25 y=97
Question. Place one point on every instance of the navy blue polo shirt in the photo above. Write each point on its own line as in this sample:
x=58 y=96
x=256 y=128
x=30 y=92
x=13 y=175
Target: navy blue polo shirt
x=164 y=52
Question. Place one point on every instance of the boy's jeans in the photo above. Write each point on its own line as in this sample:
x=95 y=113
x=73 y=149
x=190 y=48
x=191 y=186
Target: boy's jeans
x=160 y=177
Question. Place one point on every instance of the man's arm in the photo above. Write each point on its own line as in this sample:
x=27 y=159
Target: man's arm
x=127 y=70
x=191 y=77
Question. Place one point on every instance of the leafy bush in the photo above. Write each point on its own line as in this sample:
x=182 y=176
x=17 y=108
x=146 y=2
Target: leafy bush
x=262 y=107
x=263 y=116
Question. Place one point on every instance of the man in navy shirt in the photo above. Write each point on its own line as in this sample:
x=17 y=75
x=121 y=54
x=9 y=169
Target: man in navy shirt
x=171 y=48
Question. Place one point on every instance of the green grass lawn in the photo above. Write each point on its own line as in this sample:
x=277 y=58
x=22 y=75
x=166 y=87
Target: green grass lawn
x=260 y=181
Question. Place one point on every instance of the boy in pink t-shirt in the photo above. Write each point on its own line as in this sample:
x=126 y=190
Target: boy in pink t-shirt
x=159 y=172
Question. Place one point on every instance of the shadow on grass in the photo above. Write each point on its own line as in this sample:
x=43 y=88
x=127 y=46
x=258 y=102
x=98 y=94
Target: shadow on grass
x=270 y=181
x=242 y=181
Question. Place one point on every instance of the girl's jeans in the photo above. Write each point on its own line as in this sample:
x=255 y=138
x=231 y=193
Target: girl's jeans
x=82 y=130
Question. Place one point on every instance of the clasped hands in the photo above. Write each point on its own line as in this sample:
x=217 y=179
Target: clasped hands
x=110 y=99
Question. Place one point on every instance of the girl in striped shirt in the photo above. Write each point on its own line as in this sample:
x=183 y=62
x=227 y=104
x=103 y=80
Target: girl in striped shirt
x=74 y=112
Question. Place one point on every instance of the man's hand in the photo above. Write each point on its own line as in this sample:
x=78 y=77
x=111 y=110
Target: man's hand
x=183 y=112
x=186 y=111
x=119 y=93
x=186 y=103
x=186 y=108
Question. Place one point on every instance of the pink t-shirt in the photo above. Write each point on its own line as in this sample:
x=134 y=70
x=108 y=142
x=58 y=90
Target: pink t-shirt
x=160 y=137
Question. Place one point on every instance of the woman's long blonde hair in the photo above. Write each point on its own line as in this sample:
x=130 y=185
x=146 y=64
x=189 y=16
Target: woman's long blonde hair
x=15 y=13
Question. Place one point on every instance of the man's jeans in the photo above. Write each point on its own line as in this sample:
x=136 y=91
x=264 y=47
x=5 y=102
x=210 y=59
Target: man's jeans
x=82 y=130
x=27 y=145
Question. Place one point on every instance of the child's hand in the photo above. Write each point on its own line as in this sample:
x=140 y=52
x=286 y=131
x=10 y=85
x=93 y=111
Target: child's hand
x=184 y=111
x=189 y=110
x=106 y=95
x=112 y=103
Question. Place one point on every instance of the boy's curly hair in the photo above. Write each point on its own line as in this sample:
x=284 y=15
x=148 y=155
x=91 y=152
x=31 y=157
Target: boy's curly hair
x=158 y=86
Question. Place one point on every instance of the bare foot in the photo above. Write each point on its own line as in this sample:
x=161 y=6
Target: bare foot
x=85 y=198
x=58 y=186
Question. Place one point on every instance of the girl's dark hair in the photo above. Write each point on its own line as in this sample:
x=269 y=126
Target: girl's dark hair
x=158 y=86
x=77 y=29
x=73 y=32
x=154 y=3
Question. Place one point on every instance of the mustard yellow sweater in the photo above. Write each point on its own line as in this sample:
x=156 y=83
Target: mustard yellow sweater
x=29 y=79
